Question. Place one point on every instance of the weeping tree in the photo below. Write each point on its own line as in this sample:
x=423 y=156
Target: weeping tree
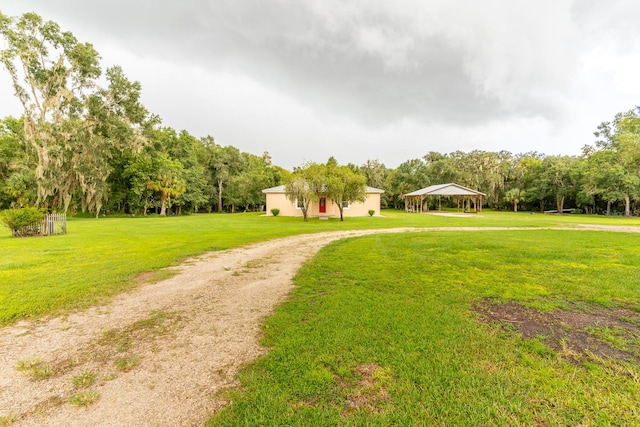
x=50 y=71
x=300 y=192
x=72 y=124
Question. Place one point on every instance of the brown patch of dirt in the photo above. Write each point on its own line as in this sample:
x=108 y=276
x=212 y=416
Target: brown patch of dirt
x=144 y=277
x=370 y=391
x=613 y=333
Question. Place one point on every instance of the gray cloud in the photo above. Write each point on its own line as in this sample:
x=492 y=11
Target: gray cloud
x=439 y=75
x=374 y=62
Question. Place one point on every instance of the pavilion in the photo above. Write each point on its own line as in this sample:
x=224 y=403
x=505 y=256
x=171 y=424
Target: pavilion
x=414 y=201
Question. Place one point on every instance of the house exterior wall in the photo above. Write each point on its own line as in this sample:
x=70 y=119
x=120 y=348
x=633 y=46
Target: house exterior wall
x=280 y=201
x=288 y=208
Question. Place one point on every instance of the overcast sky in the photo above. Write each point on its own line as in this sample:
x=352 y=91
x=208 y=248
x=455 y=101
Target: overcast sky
x=369 y=79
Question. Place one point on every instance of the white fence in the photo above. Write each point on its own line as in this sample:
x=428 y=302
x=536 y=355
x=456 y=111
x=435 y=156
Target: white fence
x=51 y=225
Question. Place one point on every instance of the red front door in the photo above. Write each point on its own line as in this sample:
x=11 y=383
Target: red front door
x=322 y=205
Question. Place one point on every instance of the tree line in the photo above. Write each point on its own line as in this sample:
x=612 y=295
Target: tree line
x=86 y=143
x=604 y=178
x=90 y=146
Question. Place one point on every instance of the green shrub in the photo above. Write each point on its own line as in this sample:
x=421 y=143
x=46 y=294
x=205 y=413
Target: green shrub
x=22 y=222
x=275 y=211
x=371 y=212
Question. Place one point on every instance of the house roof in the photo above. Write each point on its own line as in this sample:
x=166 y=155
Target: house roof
x=450 y=189
x=278 y=189
x=281 y=189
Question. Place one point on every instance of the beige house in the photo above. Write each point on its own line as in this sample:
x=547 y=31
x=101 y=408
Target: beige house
x=324 y=207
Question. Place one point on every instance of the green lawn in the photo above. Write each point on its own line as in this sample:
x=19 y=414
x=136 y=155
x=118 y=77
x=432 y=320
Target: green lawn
x=100 y=257
x=383 y=330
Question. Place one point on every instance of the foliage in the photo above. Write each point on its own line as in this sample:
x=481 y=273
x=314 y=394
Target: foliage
x=17 y=166
x=619 y=143
x=371 y=212
x=357 y=344
x=86 y=143
x=300 y=192
x=71 y=124
x=341 y=184
x=514 y=195
x=275 y=211
x=18 y=219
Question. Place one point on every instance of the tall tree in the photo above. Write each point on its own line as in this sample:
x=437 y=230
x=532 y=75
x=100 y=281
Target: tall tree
x=74 y=126
x=226 y=163
x=562 y=174
x=441 y=169
x=620 y=140
x=50 y=71
x=409 y=176
x=533 y=179
x=246 y=188
x=376 y=175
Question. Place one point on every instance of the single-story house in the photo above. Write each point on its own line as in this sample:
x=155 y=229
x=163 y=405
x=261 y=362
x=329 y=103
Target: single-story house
x=324 y=207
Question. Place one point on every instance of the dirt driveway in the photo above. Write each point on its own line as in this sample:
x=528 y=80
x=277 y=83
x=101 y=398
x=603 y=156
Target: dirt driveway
x=156 y=356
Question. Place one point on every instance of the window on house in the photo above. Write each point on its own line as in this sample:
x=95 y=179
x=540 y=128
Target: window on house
x=345 y=205
x=298 y=206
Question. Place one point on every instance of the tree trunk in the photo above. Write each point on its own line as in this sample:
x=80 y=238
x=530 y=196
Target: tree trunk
x=340 y=208
x=560 y=203
x=163 y=209
x=219 y=195
x=515 y=206
x=608 y=207
x=627 y=206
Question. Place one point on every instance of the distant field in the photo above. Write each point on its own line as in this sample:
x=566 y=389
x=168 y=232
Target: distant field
x=101 y=257
x=534 y=327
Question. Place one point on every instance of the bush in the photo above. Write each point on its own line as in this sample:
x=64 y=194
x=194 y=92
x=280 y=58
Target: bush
x=275 y=211
x=371 y=212
x=22 y=222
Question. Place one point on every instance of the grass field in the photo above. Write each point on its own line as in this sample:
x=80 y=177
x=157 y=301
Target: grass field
x=99 y=258
x=402 y=329
x=389 y=330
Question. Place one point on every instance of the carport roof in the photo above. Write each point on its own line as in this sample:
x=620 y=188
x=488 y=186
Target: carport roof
x=450 y=189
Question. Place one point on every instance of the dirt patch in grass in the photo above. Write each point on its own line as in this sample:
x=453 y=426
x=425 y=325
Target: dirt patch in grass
x=604 y=332
x=370 y=390
x=154 y=276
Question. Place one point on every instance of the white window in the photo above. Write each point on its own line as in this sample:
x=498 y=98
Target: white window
x=345 y=205
x=297 y=205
